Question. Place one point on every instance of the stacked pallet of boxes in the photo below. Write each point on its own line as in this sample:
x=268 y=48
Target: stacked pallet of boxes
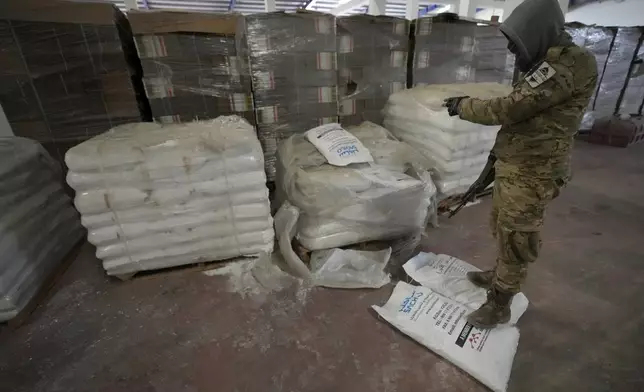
x=598 y=40
x=633 y=98
x=162 y=195
x=190 y=67
x=38 y=225
x=622 y=53
x=372 y=64
x=68 y=71
x=293 y=70
x=452 y=50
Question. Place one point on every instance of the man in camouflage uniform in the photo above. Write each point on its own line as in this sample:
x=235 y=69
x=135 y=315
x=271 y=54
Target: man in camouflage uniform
x=532 y=153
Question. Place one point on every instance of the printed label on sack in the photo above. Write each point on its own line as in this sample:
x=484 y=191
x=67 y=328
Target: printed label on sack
x=542 y=74
x=345 y=44
x=326 y=94
x=240 y=102
x=465 y=73
x=348 y=106
x=261 y=43
x=234 y=67
x=267 y=115
x=265 y=80
x=440 y=324
x=339 y=147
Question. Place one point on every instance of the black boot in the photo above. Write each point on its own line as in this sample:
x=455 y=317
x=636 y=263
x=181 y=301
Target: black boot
x=494 y=312
x=482 y=279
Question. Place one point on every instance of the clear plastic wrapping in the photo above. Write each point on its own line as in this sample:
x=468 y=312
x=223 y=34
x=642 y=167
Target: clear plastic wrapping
x=372 y=64
x=191 y=70
x=449 y=50
x=362 y=202
x=633 y=97
x=69 y=71
x=456 y=149
x=155 y=196
x=615 y=75
x=293 y=68
x=38 y=225
x=598 y=41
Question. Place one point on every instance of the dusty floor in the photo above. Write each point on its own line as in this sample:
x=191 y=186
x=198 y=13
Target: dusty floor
x=190 y=332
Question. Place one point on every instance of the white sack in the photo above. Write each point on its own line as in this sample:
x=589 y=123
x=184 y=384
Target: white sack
x=361 y=202
x=439 y=324
x=454 y=147
x=446 y=275
x=160 y=195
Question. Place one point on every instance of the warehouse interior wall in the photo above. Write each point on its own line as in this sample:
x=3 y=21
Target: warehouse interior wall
x=5 y=128
x=609 y=13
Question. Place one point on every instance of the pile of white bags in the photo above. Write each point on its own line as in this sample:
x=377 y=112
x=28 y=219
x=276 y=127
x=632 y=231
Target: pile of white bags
x=457 y=149
x=340 y=206
x=38 y=225
x=155 y=196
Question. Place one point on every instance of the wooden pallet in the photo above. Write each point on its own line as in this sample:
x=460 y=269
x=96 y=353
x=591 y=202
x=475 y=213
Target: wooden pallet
x=44 y=292
x=178 y=270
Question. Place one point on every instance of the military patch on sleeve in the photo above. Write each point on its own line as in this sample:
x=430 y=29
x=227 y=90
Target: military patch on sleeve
x=542 y=74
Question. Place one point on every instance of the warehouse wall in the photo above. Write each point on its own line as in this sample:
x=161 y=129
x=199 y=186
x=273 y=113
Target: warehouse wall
x=610 y=13
x=5 y=128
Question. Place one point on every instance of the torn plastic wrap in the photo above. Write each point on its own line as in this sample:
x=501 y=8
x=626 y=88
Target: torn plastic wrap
x=155 y=196
x=69 y=72
x=38 y=225
x=372 y=64
x=191 y=70
x=633 y=97
x=457 y=149
x=449 y=50
x=293 y=69
x=615 y=75
x=340 y=206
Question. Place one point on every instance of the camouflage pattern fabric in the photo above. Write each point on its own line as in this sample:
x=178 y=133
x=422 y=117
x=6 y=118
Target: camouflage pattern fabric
x=539 y=123
x=539 y=120
x=518 y=207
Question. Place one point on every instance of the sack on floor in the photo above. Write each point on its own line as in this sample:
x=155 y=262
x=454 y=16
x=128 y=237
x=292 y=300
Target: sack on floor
x=446 y=275
x=350 y=269
x=439 y=324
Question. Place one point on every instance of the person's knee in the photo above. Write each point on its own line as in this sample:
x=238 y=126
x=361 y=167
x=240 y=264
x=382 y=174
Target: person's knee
x=518 y=247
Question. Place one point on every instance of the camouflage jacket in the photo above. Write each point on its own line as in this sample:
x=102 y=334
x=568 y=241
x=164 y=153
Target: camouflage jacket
x=542 y=114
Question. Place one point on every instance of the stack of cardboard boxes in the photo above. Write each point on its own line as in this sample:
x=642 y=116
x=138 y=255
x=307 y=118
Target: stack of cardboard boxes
x=293 y=68
x=372 y=65
x=453 y=50
x=68 y=71
x=190 y=66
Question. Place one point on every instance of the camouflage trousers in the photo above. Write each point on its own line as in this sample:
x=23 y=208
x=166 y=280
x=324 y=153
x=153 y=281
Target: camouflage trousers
x=518 y=208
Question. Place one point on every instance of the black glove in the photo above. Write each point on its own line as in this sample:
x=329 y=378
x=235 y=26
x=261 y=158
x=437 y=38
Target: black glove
x=452 y=105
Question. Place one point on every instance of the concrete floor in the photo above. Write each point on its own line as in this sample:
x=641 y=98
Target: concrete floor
x=191 y=332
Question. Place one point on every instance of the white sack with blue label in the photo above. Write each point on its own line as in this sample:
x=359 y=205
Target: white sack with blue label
x=440 y=324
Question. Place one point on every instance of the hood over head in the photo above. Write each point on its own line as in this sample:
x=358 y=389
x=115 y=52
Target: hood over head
x=534 y=27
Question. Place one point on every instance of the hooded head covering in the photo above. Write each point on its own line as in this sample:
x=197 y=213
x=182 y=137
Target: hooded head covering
x=534 y=27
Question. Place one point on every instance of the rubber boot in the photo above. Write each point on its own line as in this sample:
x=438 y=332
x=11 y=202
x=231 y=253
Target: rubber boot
x=494 y=312
x=482 y=279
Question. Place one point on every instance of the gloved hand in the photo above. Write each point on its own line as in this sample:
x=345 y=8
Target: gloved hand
x=452 y=105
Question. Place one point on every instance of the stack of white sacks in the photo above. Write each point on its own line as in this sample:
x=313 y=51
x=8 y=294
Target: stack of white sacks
x=38 y=225
x=458 y=149
x=155 y=196
x=341 y=206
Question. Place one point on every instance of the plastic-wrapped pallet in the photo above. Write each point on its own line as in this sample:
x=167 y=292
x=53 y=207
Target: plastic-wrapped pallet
x=615 y=75
x=453 y=50
x=633 y=97
x=293 y=69
x=38 y=225
x=190 y=67
x=598 y=41
x=154 y=196
x=457 y=149
x=372 y=65
x=361 y=202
